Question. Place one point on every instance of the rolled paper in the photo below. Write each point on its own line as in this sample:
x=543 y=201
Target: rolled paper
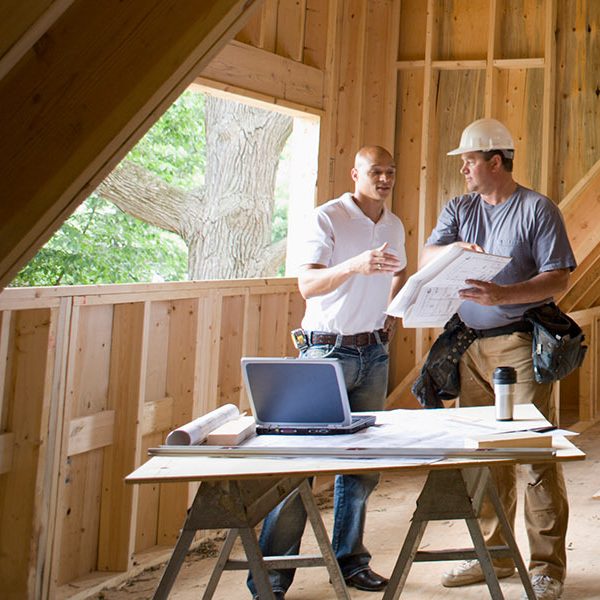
x=196 y=431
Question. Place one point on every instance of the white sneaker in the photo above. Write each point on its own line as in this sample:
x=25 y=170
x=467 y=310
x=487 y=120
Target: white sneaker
x=470 y=571
x=545 y=588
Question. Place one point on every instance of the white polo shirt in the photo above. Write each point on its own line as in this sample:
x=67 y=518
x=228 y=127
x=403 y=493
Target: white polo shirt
x=337 y=231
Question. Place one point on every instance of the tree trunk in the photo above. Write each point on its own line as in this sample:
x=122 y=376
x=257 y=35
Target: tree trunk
x=227 y=225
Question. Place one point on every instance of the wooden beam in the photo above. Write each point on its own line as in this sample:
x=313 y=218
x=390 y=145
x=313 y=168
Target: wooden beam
x=158 y=416
x=580 y=209
x=548 y=123
x=7 y=442
x=240 y=66
x=131 y=323
x=21 y=26
x=584 y=280
x=78 y=100
x=91 y=432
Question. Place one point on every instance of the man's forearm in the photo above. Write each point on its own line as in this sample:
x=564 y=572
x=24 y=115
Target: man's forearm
x=317 y=280
x=542 y=286
x=398 y=281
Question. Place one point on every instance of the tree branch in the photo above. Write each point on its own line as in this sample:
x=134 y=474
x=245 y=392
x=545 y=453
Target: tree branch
x=143 y=195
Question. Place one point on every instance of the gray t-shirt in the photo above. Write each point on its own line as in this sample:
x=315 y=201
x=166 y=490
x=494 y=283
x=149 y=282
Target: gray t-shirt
x=528 y=227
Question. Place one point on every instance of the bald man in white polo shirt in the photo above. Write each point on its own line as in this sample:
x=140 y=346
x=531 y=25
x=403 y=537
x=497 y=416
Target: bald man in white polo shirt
x=353 y=262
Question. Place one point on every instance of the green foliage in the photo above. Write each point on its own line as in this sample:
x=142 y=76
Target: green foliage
x=174 y=148
x=101 y=244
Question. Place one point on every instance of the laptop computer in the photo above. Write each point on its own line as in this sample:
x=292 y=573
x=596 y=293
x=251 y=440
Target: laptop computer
x=293 y=396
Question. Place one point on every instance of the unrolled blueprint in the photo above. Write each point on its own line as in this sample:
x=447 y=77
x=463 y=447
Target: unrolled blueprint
x=430 y=296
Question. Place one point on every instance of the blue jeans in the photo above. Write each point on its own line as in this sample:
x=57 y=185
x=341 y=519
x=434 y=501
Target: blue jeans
x=366 y=376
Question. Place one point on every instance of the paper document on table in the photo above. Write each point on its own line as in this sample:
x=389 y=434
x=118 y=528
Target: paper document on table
x=430 y=296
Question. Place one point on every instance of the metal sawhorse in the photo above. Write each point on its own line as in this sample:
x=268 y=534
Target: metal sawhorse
x=239 y=505
x=450 y=494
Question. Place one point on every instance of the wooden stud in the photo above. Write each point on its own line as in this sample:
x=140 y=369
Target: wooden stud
x=547 y=172
x=6 y=318
x=291 y=22
x=7 y=443
x=125 y=396
x=23 y=515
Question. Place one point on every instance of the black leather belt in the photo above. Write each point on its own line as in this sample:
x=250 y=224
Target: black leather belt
x=365 y=338
x=504 y=330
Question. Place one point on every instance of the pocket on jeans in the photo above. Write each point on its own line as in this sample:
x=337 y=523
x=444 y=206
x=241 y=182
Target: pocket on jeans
x=320 y=351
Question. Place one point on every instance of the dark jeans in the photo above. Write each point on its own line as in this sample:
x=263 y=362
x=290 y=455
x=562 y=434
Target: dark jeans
x=366 y=374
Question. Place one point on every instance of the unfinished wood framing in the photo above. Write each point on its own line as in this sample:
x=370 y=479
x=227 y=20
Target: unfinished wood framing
x=139 y=361
x=90 y=377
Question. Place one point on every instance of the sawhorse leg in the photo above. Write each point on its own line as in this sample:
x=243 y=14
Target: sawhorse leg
x=239 y=506
x=327 y=557
x=457 y=494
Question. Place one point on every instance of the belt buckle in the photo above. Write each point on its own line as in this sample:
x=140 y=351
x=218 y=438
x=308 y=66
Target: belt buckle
x=363 y=339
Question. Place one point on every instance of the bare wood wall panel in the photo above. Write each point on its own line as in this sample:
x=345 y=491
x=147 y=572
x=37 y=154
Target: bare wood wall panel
x=21 y=517
x=291 y=19
x=231 y=349
x=518 y=103
x=88 y=371
x=126 y=398
x=406 y=198
x=460 y=97
x=316 y=33
x=379 y=104
x=460 y=24
x=577 y=94
x=412 y=26
x=347 y=120
x=180 y=360
x=273 y=325
x=521 y=29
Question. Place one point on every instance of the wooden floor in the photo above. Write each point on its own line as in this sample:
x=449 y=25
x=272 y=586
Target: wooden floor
x=390 y=509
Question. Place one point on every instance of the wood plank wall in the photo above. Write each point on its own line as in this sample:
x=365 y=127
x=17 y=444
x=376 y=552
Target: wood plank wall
x=93 y=377
x=89 y=380
x=533 y=64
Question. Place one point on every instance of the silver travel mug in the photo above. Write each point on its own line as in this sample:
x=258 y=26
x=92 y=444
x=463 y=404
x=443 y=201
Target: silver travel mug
x=504 y=379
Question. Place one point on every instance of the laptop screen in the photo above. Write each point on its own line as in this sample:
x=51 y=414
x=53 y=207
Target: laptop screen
x=296 y=391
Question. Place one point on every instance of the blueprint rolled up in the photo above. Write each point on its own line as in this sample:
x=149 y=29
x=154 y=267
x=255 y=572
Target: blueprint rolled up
x=196 y=431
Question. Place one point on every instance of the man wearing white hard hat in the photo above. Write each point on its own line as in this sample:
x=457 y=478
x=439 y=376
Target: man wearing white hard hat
x=501 y=217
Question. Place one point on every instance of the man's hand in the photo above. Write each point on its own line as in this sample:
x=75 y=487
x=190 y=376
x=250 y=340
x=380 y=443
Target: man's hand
x=316 y=280
x=544 y=285
x=469 y=246
x=378 y=260
x=483 y=292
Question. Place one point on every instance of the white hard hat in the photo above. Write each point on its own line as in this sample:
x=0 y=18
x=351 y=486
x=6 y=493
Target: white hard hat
x=484 y=135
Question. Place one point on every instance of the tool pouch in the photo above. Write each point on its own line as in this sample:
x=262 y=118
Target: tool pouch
x=557 y=346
